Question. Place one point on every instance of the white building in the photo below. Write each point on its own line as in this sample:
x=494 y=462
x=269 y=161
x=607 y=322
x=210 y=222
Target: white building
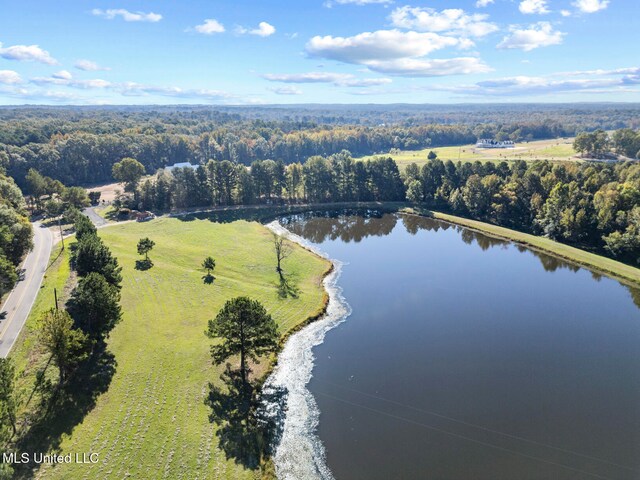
x=489 y=143
x=169 y=168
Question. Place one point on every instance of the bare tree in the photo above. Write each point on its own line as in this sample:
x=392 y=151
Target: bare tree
x=283 y=249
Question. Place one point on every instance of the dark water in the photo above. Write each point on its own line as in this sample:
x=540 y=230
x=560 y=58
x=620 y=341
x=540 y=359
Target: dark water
x=471 y=358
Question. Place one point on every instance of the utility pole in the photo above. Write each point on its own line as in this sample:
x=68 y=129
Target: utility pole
x=55 y=296
x=61 y=235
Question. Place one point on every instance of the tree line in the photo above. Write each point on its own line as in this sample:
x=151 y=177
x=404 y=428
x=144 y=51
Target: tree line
x=337 y=178
x=599 y=144
x=74 y=333
x=15 y=232
x=73 y=337
x=80 y=146
x=593 y=205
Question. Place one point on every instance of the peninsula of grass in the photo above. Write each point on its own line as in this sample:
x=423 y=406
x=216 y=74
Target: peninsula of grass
x=622 y=272
x=152 y=421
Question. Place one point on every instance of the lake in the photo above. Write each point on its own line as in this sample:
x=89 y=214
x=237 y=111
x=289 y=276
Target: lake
x=467 y=357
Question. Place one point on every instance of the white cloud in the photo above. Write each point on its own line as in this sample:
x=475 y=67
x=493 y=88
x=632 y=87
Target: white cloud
x=338 y=79
x=539 y=85
x=134 y=89
x=43 y=96
x=594 y=81
x=534 y=6
x=538 y=35
x=264 y=30
x=397 y=53
x=126 y=15
x=590 y=6
x=64 y=78
x=89 y=66
x=632 y=72
x=565 y=13
x=63 y=75
x=365 y=82
x=483 y=3
x=209 y=27
x=379 y=45
x=126 y=89
x=452 y=20
x=415 y=67
x=311 y=77
x=9 y=77
x=27 y=53
x=288 y=90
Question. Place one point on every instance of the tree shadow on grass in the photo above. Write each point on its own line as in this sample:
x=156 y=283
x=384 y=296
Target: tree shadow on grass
x=288 y=287
x=208 y=279
x=247 y=431
x=62 y=408
x=143 y=265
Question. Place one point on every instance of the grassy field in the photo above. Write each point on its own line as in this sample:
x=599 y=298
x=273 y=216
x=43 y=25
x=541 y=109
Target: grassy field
x=152 y=422
x=621 y=271
x=557 y=149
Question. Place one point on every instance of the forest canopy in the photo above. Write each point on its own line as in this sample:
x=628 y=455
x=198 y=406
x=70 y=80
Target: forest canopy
x=80 y=145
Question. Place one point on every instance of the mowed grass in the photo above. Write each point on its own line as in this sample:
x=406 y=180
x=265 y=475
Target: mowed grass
x=152 y=422
x=556 y=149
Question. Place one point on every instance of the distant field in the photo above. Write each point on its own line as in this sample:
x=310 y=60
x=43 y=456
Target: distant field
x=152 y=422
x=557 y=149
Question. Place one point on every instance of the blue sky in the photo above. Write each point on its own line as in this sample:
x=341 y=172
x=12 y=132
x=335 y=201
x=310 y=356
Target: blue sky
x=319 y=51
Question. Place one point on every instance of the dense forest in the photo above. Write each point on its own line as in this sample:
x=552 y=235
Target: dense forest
x=79 y=146
x=338 y=178
x=593 y=205
x=15 y=232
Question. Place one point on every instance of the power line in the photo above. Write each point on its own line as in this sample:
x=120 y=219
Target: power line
x=469 y=439
x=480 y=427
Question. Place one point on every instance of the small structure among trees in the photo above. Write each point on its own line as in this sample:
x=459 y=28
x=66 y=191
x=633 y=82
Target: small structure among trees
x=490 y=143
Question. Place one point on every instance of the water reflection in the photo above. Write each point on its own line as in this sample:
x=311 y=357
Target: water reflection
x=351 y=225
x=355 y=225
x=462 y=362
x=346 y=225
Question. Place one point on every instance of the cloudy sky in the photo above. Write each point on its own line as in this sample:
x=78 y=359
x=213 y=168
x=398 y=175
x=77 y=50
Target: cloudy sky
x=320 y=51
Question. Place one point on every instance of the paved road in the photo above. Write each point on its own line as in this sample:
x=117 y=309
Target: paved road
x=97 y=220
x=19 y=302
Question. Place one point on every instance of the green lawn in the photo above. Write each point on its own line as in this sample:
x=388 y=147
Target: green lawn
x=557 y=149
x=105 y=211
x=152 y=422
